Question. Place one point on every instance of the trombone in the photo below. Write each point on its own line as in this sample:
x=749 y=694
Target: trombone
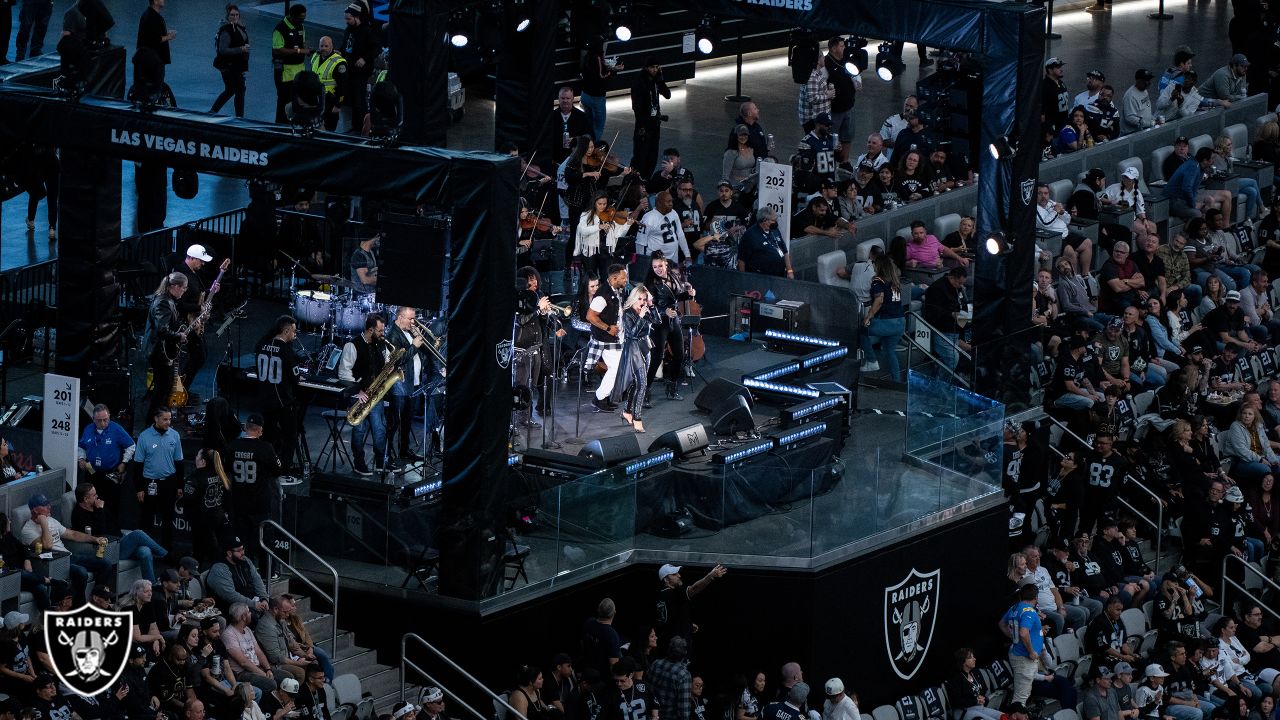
x=430 y=341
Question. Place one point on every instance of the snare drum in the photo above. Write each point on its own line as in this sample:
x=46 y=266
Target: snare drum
x=311 y=307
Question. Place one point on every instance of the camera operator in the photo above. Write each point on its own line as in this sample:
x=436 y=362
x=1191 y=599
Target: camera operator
x=646 y=101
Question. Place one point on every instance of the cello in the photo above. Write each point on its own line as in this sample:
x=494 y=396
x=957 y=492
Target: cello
x=694 y=345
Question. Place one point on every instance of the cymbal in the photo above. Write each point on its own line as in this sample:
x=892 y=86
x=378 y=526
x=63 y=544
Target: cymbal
x=335 y=280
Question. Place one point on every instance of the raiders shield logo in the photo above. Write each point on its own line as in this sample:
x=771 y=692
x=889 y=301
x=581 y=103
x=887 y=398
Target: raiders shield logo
x=910 y=613
x=502 y=351
x=89 y=647
x=1028 y=188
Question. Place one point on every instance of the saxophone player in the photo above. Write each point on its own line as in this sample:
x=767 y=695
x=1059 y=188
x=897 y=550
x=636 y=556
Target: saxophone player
x=362 y=358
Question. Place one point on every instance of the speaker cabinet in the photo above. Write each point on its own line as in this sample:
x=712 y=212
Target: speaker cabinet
x=732 y=415
x=682 y=442
x=715 y=393
x=612 y=450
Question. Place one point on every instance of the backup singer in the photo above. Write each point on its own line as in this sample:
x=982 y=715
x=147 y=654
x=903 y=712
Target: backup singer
x=637 y=319
x=415 y=361
x=604 y=314
x=277 y=367
x=363 y=357
x=665 y=293
x=164 y=337
x=595 y=241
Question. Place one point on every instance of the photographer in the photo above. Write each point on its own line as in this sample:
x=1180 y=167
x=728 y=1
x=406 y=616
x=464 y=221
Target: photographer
x=646 y=103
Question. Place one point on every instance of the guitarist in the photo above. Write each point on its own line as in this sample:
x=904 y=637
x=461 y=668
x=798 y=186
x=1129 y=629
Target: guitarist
x=164 y=338
x=189 y=309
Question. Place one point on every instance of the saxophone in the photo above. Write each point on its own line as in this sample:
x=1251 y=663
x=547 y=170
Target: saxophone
x=378 y=388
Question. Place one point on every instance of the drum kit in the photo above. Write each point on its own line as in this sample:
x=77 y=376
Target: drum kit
x=340 y=313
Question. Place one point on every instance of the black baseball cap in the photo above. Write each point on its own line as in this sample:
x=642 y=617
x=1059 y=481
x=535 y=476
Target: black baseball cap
x=1143 y=74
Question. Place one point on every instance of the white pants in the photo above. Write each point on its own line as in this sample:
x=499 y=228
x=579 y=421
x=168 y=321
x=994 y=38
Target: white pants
x=611 y=358
x=1024 y=673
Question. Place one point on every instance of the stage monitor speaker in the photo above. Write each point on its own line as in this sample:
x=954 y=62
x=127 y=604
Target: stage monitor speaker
x=732 y=415
x=612 y=450
x=682 y=442
x=412 y=268
x=715 y=393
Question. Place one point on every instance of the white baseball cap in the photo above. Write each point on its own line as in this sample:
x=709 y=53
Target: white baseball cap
x=1131 y=172
x=666 y=570
x=1155 y=670
x=289 y=685
x=198 y=252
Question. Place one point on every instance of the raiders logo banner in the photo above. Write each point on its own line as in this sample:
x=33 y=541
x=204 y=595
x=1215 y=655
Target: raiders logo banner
x=89 y=647
x=910 y=613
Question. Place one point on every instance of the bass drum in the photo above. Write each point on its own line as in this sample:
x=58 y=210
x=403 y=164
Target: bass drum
x=311 y=307
x=350 y=314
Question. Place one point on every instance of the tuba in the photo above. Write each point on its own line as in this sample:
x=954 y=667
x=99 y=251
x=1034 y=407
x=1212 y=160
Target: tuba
x=389 y=375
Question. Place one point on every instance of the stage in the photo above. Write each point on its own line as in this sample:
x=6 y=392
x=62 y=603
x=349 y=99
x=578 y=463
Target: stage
x=837 y=496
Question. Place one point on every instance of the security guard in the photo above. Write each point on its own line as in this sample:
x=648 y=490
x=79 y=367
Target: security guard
x=288 y=55
x=331 y=67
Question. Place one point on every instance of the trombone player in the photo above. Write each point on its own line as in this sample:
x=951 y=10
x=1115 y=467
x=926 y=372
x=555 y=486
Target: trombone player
x=363 y=358
x=417 y=359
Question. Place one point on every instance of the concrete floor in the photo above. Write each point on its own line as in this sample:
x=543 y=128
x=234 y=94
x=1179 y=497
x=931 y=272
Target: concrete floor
x=700 y=117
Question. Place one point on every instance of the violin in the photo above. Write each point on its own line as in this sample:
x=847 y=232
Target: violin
x=614 y=215
x=533 y=172
x=598 y=160
x=537 y=223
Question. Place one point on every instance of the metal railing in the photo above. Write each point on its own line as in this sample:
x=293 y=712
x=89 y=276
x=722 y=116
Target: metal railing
x=405 y=663
x=1157 y=525
x=31 y=284
x=1228 y=582
x=295 y=543
x=919 y=321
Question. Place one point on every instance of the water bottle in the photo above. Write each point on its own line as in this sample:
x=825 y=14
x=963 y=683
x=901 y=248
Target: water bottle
x=217 y=666
x=306 y=472
x=769 y=143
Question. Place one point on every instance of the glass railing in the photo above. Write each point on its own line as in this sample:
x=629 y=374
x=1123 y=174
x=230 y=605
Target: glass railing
x=824 y=498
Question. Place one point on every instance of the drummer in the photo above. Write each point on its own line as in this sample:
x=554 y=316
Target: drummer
x=364 y=265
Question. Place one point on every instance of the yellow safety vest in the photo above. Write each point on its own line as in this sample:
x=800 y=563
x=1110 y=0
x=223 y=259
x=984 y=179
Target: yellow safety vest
x=325 y=69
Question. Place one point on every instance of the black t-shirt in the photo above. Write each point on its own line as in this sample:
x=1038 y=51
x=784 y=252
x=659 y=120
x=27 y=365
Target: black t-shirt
x=97 y=519
x=953 y=241
x=15 y=656
x=808 y=217
x=908 y=138
x=1089 y=574
x=1152 y=269
x=763 y=253
x=168 y=683
x=1221 y=319
x=254 y=469
x=1111 y=555
x=277 y=368
x=674 y=615
x=270 y=704
x=1222 y=370
x=1055 y=103
x=908 y=185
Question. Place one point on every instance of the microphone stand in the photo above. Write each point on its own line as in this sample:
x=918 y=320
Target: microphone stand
x=548 y=382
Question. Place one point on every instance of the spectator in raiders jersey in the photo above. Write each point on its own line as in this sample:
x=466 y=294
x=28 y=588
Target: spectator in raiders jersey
x=278 y=365
x=1180 y=701
x=1109 y=550
x=1064 y=493
x=1056 y=99
x=746 y=706
x=1105 y=637
x=1024 y=469
x=255 y=493
x=586 y=705
x=698 y=698
x=790 y=708
x=1049 y=601
x=631 y=699
x=1105 y=470
x=1065 y=573
x=674 y=599
x=1071 y=387
x=202 y=499
x=1092 y=579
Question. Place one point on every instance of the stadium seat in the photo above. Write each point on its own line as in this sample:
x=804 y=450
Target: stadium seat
x=1066 y=714
x=945 y=225
x=1200 y=141
x=1157 y=163
x=1060 y=190
x=886 y=712
x=1142 y=401
x=828 y=264
x=1239 y=134
x=863 y=251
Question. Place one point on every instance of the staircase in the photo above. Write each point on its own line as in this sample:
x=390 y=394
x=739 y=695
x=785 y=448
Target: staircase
x=381 y=682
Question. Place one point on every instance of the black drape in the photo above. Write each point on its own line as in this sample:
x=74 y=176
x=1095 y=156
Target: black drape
x=419 y=67
x=525 y=84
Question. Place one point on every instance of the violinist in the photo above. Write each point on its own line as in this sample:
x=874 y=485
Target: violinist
x=535 y=235
x=595 y=240
x=666 y=292
x=587 y=169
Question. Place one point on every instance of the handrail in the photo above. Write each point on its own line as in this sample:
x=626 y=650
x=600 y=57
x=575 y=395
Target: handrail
x=1222 y=601
x=295 y=542
x=512 y=713
x=928 y=352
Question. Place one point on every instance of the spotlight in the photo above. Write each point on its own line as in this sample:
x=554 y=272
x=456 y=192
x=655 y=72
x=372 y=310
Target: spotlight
x=459 y=34
x=520 y=15
x=998 y=244
x=852 y=68
x=621 y=21
x=707 y=35
x=884 y=62
x=1003 y=148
